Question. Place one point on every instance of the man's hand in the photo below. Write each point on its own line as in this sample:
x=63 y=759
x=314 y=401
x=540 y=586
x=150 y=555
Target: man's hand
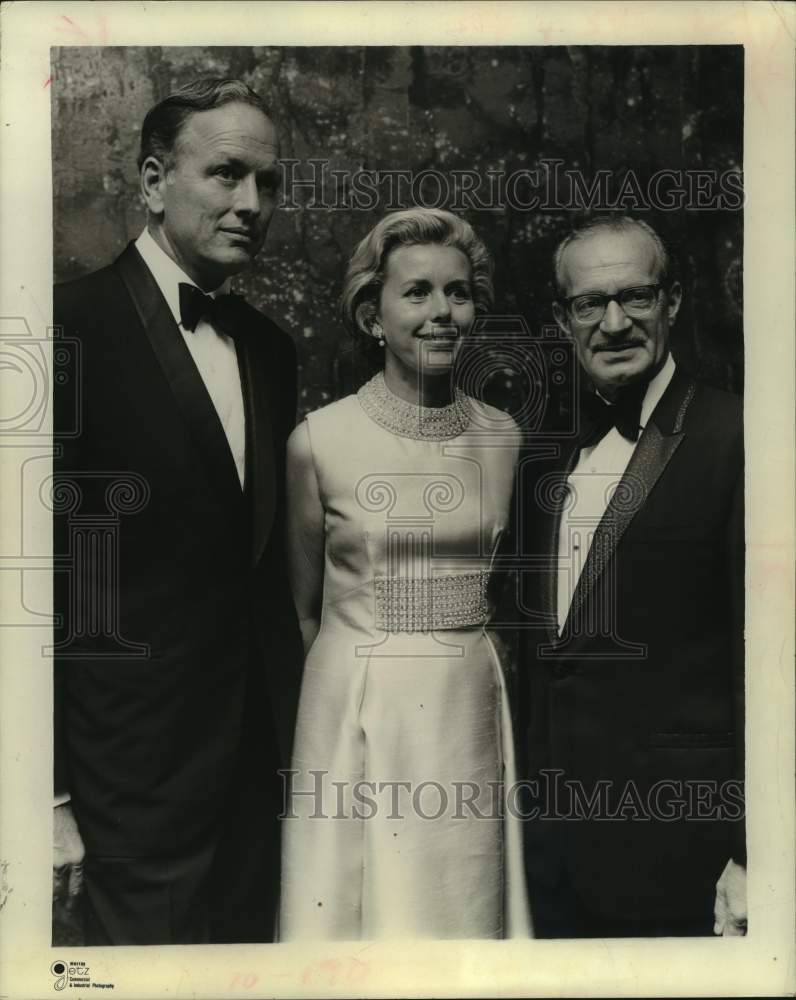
x=68 y=852
x=730 y=908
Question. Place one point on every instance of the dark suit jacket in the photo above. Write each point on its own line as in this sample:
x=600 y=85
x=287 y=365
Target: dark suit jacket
x=176 y=615
x=654 y=693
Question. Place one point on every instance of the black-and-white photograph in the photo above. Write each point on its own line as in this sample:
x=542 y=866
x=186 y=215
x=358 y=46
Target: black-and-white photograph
x=399 y=499
x=398 y=201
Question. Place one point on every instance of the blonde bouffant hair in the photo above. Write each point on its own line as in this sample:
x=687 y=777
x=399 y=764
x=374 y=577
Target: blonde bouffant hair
x=410 y=227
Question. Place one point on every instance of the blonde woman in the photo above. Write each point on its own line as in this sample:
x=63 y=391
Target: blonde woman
x=403 y=740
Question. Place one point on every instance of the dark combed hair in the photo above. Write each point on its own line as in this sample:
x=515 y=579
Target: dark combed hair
x=163 y=122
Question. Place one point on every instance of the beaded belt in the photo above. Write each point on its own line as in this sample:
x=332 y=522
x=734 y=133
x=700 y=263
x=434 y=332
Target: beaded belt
x=425 y=604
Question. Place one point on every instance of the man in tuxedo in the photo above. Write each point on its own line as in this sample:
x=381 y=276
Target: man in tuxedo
x=633 y=634
x=178 y=651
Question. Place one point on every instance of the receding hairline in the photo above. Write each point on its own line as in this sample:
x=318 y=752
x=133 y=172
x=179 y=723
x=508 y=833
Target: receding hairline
x=622 y=227
x=166 y=120
x=179 y=136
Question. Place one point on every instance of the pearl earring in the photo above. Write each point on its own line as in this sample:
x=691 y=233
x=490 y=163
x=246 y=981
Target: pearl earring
x=378 y=333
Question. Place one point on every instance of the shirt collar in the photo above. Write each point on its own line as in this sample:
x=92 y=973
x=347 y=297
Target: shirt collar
x=656 y=388
x=168 y=274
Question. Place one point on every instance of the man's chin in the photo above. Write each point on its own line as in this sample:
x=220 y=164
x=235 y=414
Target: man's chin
x=240 y=255
x=618 y=375
x=229 y=262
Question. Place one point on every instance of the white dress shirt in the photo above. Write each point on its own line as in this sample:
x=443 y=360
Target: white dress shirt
x=212 y=352
x=590 y=486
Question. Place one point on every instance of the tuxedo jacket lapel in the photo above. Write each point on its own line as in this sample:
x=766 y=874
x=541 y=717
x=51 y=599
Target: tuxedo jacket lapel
x=260 y=467
x=186 y=383
x=659 y=441
x=556 y=495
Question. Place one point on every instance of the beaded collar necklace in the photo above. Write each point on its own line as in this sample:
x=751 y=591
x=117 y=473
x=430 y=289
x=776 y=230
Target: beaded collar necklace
x=423 y=423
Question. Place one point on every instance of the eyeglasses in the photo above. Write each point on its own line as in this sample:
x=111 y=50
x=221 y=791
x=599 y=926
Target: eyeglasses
x=590 y=308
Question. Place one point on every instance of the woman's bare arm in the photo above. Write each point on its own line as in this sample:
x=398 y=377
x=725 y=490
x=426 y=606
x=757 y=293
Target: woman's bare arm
x=305 y=534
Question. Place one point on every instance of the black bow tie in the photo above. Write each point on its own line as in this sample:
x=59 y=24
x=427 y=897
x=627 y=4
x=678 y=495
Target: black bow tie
x=220 y=312
x=624 y=413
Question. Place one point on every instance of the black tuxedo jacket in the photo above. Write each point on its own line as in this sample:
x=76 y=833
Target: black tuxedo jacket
x=178 y=653
x=643 y=691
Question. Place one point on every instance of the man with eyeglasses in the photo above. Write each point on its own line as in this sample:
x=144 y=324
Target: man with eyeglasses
x=633 y=642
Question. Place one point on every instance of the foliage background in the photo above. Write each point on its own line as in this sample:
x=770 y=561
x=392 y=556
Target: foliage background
x=618 y=109
x=621 y=108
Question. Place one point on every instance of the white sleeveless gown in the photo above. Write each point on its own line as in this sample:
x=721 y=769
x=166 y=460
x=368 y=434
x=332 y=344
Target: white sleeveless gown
x=416 y=723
